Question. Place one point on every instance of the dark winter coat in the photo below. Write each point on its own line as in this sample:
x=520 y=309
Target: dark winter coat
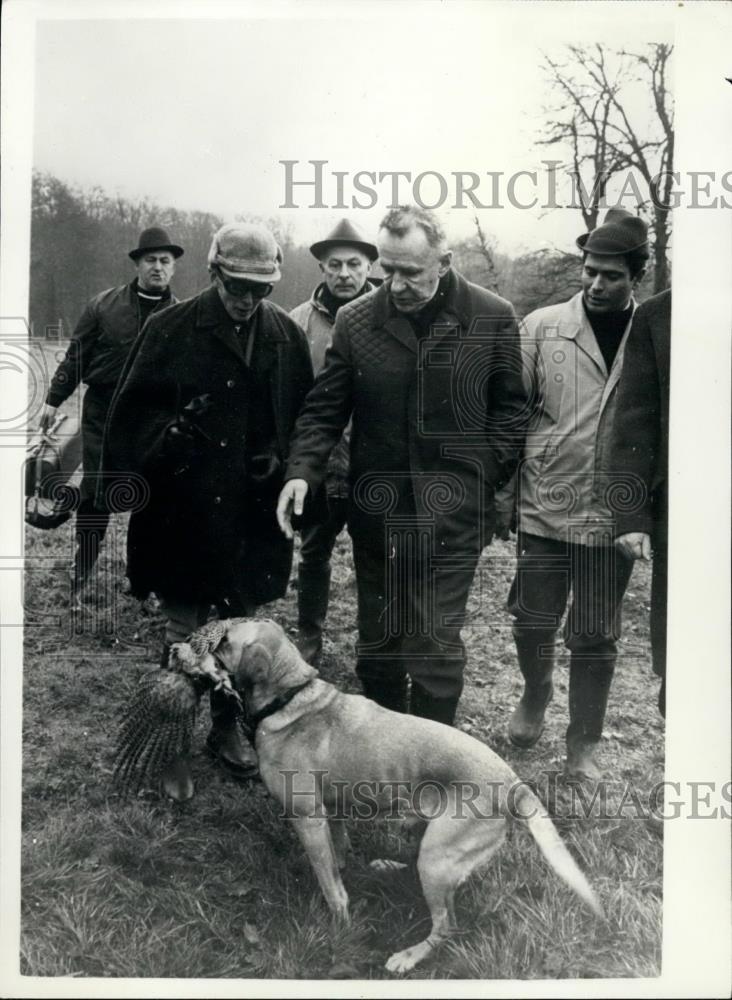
x=208 y=532
x=96 y=355
x=639 y=445
x=436 y=422
x=101 y=342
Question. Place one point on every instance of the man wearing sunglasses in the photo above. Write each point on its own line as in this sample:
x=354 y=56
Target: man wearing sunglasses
x=204 y=411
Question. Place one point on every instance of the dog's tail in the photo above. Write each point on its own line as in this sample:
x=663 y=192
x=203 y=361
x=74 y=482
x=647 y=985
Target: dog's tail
x=551 y=845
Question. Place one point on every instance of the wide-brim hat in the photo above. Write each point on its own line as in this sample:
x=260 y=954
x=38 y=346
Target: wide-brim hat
x=621 y=232
x=246 y=251
x=155 y=238
x=344 y=234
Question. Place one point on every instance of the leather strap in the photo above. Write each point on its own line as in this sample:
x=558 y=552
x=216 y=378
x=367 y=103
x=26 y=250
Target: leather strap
x=275 y=705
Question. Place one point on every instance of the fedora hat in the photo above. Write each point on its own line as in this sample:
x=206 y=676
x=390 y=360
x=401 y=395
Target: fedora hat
x=621 y=232
x=247 y=251
x=155 y=238
x=344 y=234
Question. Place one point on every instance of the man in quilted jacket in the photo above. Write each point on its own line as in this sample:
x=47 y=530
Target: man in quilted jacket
x=428 y=367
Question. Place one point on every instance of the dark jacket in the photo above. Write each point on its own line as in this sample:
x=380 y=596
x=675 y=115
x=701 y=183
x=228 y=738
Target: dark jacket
x=436 y=422
x=639 y=446
x=100 y=342
x=208 y=531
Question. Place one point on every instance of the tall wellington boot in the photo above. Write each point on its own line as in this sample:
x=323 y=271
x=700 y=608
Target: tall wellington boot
x=429 y=706
x=226 y=739
x=389 y=692
x=90 y=528
x=313 y=589
x=589 y=688
x=536 y=654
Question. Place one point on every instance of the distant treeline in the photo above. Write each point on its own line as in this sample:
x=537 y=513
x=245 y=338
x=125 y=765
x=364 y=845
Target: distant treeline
x=80 y=240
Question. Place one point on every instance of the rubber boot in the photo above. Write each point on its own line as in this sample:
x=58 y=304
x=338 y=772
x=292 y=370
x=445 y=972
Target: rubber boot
x=390 y=693
x=428 y=706
x=226 y=739
x=589 y=688
x=535 y=649
x=90 y=528
x=313 y=590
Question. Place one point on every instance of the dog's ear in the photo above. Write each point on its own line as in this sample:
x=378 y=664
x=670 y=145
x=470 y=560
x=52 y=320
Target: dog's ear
x=289 y=666
x=264 y=662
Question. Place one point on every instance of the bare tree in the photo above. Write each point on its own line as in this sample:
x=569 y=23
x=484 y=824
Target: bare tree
x=593 y=116
x=487 y=250
x=478 y=258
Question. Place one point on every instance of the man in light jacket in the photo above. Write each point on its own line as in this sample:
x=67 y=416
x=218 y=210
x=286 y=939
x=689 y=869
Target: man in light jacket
x=345 y=259
x=573 y=354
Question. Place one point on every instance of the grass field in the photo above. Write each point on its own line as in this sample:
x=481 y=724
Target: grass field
x=220 y=888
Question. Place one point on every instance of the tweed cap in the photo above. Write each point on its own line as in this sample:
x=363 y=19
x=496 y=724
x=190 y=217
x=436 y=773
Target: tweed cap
x=621 y=232
x=246 y=251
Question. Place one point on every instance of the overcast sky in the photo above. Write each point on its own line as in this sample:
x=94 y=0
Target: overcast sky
x=199 y=113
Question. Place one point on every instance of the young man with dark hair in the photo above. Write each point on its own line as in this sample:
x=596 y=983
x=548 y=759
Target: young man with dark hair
x=572 y=357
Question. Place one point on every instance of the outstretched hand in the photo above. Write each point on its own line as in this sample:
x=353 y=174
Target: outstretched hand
x=291 y=501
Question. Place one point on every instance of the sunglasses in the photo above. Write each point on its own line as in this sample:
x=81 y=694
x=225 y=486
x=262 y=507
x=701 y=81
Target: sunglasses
x=240 y=288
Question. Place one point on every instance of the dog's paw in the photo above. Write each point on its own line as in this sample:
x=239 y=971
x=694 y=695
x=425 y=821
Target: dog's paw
x=404 y=961
x=387 y=865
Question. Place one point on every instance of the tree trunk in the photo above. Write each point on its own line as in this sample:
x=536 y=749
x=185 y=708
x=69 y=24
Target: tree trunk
x=660 y=262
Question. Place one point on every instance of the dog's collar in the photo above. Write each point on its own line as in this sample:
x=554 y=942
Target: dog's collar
x=275 y=705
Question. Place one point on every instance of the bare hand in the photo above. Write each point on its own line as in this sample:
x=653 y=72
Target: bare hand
x=291 y=501
x=48 y=414
x=635 y=545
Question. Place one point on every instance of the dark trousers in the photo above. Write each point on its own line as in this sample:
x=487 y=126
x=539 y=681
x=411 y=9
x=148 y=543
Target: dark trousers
x=313 y=588
x=182 y=618
x=410 y=612
x=91 y=521
x=547 y=571
x=90 y=528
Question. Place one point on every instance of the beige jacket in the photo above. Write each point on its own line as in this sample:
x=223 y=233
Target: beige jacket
x=564 y=481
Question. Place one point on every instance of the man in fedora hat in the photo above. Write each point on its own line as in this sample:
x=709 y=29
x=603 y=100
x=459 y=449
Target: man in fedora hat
x=573 y=354
x=97 y=352
x=203 y=411
x=345 y=259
